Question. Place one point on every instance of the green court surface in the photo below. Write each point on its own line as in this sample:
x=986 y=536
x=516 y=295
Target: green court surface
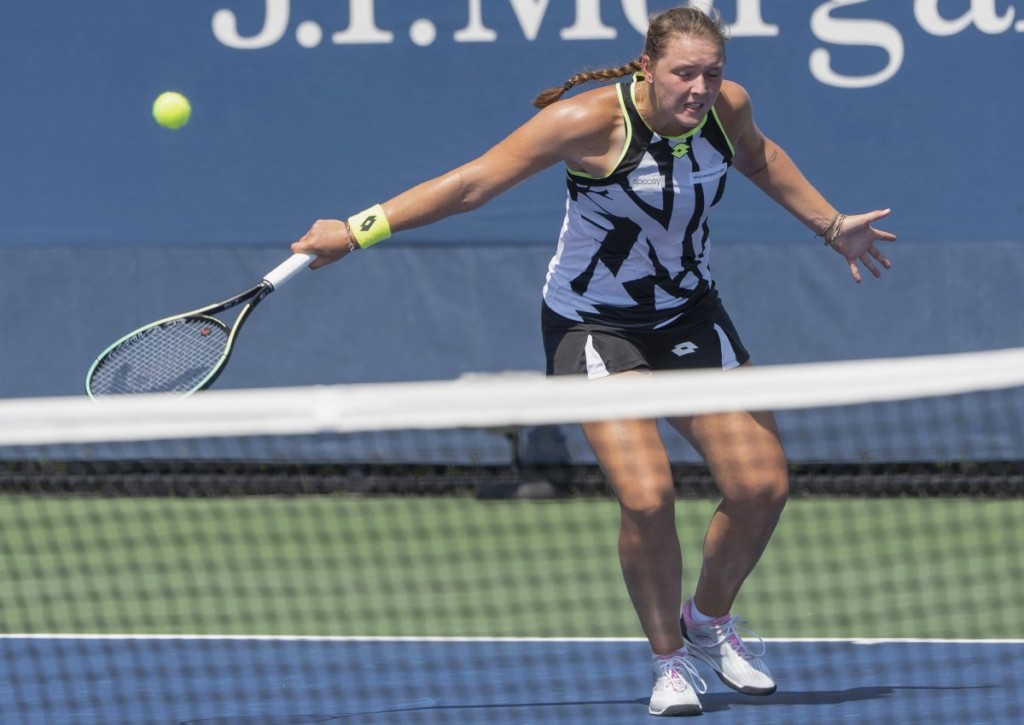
x=454 y=566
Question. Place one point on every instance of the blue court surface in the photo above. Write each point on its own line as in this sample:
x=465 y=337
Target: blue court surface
x=283 y=681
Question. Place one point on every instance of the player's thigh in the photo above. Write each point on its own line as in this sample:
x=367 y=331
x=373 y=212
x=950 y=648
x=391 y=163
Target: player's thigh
x=634 y=461
x=742 y=450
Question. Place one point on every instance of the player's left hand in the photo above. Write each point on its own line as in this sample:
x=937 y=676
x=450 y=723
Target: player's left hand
x=856 y=242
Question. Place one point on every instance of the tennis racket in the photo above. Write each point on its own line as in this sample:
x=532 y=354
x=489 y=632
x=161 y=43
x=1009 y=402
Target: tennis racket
x=184 y=353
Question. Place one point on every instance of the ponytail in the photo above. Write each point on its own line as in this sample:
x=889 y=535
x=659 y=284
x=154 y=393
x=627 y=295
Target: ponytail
x=550 y=95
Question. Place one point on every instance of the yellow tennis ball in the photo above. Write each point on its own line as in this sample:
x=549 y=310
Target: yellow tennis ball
x=172 y=110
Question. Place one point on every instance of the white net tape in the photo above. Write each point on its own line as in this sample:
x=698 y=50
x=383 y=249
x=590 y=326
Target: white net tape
x=495 y=400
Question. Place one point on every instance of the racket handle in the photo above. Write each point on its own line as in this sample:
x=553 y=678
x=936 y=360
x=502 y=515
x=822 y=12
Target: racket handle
x=287 y=269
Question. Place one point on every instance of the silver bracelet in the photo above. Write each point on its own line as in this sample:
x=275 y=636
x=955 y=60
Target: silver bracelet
x=353 y=245
x=834 y=230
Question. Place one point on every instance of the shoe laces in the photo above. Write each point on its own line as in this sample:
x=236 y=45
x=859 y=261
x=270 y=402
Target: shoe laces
x=728 y=633
x=675 y=667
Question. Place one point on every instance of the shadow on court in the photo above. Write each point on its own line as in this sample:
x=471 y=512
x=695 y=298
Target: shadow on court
x=718 y=701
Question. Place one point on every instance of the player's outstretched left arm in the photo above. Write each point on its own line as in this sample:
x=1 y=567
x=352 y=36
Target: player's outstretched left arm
x=771 y=169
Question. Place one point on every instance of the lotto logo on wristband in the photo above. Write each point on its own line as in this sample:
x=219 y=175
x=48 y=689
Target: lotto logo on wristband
x=370 y=226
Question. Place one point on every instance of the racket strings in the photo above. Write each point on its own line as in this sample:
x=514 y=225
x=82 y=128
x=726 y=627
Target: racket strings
x=172 y=357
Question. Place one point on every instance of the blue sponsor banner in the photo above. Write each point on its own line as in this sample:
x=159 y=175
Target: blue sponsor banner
x=319 y=108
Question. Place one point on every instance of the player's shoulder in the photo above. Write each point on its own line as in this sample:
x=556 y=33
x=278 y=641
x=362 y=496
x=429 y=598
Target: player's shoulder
x=733 y=107
x=587 y=111
x=732 y=98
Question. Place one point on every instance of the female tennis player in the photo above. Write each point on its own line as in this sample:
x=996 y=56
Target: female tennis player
x=629 y=290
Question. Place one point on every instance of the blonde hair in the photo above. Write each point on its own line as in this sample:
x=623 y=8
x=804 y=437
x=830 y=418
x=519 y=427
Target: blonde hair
x=677 y=21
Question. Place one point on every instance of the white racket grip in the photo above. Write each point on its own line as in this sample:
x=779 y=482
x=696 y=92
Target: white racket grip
x=288 y=269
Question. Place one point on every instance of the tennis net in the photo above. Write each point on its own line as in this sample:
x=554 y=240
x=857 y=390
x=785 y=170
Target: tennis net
x=447 y=551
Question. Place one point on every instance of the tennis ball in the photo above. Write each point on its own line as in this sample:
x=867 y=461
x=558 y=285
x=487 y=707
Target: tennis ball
x=172 y=110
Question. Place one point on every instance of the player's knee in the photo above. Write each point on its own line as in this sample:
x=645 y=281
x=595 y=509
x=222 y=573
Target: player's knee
x=766 y=492
x=774 y=491
x=649 y=503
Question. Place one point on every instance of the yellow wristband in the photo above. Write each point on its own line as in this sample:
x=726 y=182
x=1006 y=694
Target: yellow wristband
x=370 y=226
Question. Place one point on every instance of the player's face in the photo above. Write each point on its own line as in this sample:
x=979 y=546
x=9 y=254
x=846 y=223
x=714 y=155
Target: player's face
x=686 y=82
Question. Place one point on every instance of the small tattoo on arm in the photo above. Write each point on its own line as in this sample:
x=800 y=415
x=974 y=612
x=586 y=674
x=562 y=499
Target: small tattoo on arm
x=767 y=163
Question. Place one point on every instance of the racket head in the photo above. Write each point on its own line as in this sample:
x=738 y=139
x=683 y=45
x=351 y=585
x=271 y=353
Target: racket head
x=178 y=355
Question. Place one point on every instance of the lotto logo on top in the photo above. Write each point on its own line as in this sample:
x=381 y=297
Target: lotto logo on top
x=841 y=28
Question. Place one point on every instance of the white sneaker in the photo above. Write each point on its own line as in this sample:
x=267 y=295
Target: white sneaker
x=676 y=686
x=718 y=644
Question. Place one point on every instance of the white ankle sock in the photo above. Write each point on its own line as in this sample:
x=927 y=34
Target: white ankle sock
x=696 y=615
x=680 y=651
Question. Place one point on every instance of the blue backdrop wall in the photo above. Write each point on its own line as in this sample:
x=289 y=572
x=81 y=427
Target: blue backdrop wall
x=318 y=108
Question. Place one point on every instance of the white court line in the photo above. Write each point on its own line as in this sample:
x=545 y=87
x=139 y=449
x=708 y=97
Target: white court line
x=310 y=638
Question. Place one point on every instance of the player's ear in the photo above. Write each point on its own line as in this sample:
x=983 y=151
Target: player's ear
x=647 y=66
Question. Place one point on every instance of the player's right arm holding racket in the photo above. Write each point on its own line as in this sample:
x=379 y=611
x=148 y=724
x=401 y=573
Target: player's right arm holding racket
x=585 y=132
